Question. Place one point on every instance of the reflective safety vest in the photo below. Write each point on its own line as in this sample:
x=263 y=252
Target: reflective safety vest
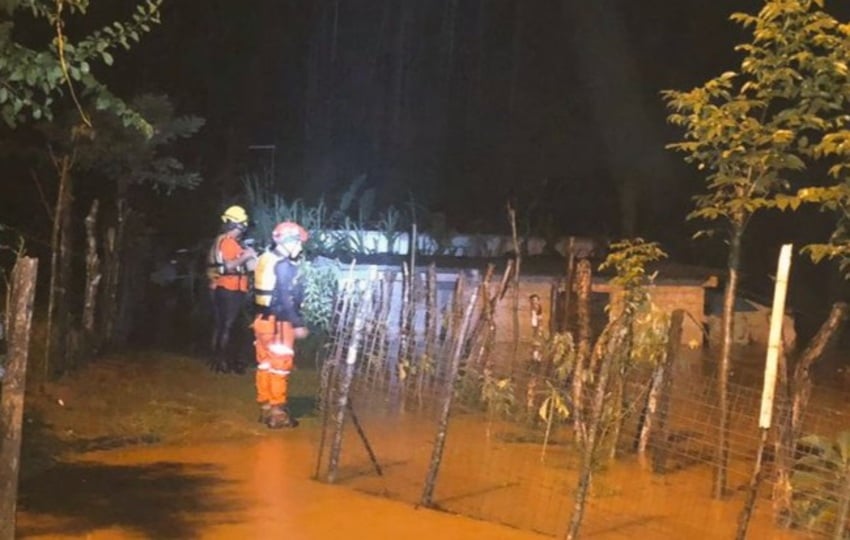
x=215 y=263
x=264 y=278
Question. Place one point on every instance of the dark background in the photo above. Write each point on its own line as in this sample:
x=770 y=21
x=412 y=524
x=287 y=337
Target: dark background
x=459 y=105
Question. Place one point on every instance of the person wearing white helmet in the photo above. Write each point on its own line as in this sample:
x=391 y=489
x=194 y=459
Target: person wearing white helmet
x=228 y=266
x=278 y=294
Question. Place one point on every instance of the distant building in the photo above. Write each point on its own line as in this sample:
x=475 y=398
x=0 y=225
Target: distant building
x=675 y=286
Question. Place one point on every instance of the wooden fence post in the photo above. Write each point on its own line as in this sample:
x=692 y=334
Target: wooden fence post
x=440 y=442
x=14 y=384
x=347 y=375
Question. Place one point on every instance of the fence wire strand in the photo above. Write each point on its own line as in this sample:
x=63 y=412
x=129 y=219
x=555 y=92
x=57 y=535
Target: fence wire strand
x=506 y=460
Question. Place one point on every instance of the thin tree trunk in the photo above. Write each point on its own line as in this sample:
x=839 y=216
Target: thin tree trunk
x=722 y=465
x=550 y=417
x=404 y=362
x=63 y=168
x=66 y=353
x=487 y=327
x=660 y=433
x=22 y=294
x=442 y=429
x=608 y=351
x=790 y=427
x=429 y=359
x=650 y=409
x=113 y=251
x=517 y=264
x=92 y=274
x=570 y=278
x=618 y=406
x=555 y=306
x=583 y=288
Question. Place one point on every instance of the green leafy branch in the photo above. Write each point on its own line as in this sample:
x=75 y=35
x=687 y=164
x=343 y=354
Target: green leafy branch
x=31 y=80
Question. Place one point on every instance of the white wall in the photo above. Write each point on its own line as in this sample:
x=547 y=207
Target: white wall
x=460 y=245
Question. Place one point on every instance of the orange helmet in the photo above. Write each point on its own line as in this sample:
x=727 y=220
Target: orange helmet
x=289 y=230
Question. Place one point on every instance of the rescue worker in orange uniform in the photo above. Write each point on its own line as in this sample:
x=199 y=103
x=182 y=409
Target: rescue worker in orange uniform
x=228 y=266
x=278 y=294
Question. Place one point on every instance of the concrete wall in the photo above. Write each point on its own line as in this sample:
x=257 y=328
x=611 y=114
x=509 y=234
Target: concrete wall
x=459 y=245
x=685 y=296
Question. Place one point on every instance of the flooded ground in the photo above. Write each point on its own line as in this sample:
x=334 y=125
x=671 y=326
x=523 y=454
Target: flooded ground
x=504 y=480
x=256 y=489
x=195 y=464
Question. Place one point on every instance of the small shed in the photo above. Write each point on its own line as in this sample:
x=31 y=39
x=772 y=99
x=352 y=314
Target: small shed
x=678 y=286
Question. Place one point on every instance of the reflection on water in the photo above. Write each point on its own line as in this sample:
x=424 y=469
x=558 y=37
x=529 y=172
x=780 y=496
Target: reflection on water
x=257 y=489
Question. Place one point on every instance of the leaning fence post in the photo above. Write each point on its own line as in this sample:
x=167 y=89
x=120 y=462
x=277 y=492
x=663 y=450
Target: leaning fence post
x=606 y=348
x=774 y=346
x=329 y=368
x=14 y=385
x=440 y=442
x=345 y=383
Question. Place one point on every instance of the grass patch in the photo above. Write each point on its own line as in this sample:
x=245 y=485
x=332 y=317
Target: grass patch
x=150 y=397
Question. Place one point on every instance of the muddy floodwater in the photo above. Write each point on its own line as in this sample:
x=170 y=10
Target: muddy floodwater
x=262 y=488
x=259 y=485
x=257 y=489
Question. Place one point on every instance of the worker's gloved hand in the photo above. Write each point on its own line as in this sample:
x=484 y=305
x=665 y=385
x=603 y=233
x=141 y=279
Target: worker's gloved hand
x=301 y=332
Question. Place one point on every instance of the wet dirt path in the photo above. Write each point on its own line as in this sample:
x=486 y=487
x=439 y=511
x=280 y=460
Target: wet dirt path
x=255 y=489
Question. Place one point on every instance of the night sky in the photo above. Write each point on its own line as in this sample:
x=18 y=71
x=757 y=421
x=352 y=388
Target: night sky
x=458 y=104
x=548 y=102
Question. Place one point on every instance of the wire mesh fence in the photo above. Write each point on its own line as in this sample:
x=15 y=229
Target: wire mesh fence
x=441 y=390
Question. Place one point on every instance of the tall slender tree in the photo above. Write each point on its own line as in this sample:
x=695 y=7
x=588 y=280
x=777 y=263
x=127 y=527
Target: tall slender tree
x=750 y=130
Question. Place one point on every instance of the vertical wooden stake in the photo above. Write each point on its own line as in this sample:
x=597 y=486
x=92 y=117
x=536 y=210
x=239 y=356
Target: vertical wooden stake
x=14 y=384
x=773 y=350
x=345 y=383
x=442 y=430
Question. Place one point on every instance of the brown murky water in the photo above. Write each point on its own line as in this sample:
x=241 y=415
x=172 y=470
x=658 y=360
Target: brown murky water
x=258 y=489
x=262 y=489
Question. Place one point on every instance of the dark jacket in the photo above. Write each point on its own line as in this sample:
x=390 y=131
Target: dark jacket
x=288 y=293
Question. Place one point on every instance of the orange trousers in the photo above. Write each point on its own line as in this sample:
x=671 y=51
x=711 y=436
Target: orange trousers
x=274 y=343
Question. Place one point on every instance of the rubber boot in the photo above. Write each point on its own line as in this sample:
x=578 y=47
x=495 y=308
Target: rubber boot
x=265 y=413
x=279 y=417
